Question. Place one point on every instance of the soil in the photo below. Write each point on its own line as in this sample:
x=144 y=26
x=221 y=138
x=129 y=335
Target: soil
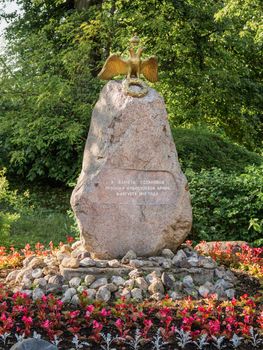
x=247 y=284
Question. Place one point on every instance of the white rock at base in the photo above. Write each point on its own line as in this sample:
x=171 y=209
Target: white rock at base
x=167 y=253
x=141 y=283
x=130 y=255
x=114 y=263
x=103 y=294
x=91 y=293
x=203 y=291
x=188 y=281
x=136 y=293
x=69 y=294
x=74 y=282
x=156 y=287
x=87 y=262
x=75 y=300
x=12 y=275
x=70 y=262
x=37 y=294
x=89 y=279
x=118 y=280
x=37 y=273
x=99 y=283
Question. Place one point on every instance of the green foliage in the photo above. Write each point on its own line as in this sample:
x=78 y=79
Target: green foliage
x=210 y=73
x=200 y=149
x=224 y=205
x=10 y=207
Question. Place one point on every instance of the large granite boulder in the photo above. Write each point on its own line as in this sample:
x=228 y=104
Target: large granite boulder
x=131 y=193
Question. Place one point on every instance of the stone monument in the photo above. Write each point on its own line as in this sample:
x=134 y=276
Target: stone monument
x=132 y=205
x=131 y=193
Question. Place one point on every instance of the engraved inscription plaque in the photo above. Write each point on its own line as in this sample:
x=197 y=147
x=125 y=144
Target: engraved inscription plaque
x=126 y=186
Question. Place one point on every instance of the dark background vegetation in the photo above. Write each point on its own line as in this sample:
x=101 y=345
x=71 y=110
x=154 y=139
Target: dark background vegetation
x=210 y=74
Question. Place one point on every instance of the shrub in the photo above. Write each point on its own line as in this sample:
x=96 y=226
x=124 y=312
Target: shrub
x=11 y=206
x=225 y=204
x=199 y=149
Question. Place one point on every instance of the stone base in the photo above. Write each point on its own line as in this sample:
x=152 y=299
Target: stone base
x=81 y=272
x=199 y=275
x=71 y=271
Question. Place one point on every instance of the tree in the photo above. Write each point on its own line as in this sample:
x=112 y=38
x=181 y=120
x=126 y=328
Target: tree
x=209 y=61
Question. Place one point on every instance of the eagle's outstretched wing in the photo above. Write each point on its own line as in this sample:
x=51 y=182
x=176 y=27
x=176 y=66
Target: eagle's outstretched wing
x=114 y=65
x=149 y=68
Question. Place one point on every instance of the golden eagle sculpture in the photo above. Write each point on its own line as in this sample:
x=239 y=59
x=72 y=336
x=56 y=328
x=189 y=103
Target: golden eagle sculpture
x=132 y=67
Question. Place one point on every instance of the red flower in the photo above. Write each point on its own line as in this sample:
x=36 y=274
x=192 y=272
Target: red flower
x=97 y=325
x=105 y=313
x=27 y=320
x=119 y=323
x=214 y=327
x=46 y=324
x=90 y=308
x=70 y=239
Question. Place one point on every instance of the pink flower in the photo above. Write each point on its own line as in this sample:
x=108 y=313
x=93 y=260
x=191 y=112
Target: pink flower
x=90 y=308
x=119 y=323
x=148 y=323
x=104 y=312
x=214 y=326
x=97 y=325
x=74 y=314
x=27 y=320
x=46 y=324
x=246 y=319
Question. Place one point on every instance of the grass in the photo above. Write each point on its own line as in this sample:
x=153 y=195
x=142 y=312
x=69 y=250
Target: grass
x=40 y=226
x=45 y=219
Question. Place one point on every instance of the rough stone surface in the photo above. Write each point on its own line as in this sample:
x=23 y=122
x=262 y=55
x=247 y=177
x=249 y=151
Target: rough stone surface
x=70 y=262
x=136 y=293
x=156 y=287
x=91 y=293
x=37 y=273
x=118 y=280
x=167 y=253
x=130 y=255
x=114 y=263
x=12 y=275
x=37 y=293
x=56 y=279
x=33 y=344
x=75 y=282
x=131 y=173
x=151 y=279
x=99 y=283
x=69 y=294
x=141 y=283
x=168 y=282
x=179 y=257
x=89 y=279
x=203 y=291
x=87 y=262
x=188 y=281
x=103 y=294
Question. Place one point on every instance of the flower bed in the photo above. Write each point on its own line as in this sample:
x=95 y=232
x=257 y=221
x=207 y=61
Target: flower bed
x=242 y=257
x=187 y=323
